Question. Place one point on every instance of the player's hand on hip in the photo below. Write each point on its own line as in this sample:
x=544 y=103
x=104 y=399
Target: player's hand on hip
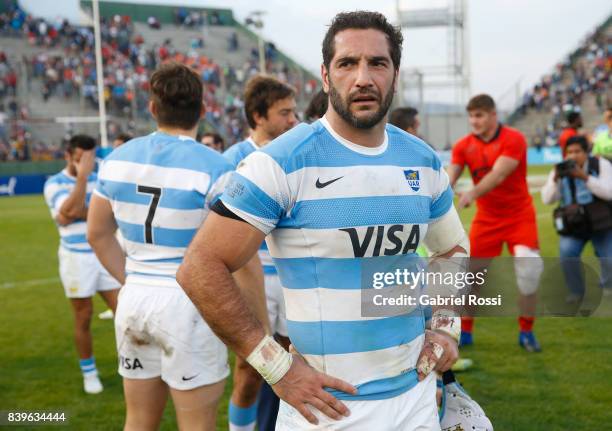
x=303 y=385
x=86 y=163
x=440 y=352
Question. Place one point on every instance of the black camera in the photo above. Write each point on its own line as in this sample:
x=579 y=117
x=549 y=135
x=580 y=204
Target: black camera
x=565 y=168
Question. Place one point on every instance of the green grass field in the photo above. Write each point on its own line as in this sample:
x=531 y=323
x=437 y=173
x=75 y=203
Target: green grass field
x=567 y=387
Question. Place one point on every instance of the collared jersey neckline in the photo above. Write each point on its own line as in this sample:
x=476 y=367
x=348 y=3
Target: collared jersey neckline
x=368 y=151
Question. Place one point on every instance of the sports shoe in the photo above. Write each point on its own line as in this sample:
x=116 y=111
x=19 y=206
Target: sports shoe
x=466 y=339
x=92 y=384
x=461 y=412
x=106 y=315
x=527 y=341
x=462 y=364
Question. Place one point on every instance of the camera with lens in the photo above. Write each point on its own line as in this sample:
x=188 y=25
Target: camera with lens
x=565 y=168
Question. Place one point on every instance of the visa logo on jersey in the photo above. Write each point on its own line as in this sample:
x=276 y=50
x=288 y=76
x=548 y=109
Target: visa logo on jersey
x=401 y=239
x=413 y=179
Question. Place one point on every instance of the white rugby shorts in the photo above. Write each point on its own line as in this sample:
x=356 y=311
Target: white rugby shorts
x=160 y=333
x=83 y=275
x=415 y=409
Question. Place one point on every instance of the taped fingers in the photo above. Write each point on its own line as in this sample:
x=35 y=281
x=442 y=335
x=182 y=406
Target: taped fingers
x=430 y=356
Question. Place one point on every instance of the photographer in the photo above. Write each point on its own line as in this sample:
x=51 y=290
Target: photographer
x=583 y=185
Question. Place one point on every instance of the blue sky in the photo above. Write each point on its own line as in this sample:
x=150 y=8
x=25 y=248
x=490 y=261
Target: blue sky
x=509 y=39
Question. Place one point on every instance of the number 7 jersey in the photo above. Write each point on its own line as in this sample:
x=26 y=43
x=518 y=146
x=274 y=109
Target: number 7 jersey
x=161 y=188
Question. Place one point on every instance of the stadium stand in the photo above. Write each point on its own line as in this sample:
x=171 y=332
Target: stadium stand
x=580 y=82
x=58 y=63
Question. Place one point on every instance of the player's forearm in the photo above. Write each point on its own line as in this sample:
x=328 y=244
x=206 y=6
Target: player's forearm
x=250 y=281
x=488 y=183
x=210 y=286
x=74 y=206
x=109 y=253
x=454 y=172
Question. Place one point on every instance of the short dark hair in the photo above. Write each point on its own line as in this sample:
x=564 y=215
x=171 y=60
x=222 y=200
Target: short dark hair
x=578 y=140
x=217 y=139
x=483 y=102
x=124 y=137
x=572 y=117
x=84 y=142
x=176 y=92
x=260 y=93
x=317 y=106
x=363 y=20
x=403 y=118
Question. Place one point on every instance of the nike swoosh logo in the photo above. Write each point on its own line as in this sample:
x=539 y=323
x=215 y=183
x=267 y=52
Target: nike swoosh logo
x=186 y=379
x=320 y=185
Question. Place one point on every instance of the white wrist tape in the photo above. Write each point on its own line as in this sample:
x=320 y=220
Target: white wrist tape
x=270 y=360
x=446 y=321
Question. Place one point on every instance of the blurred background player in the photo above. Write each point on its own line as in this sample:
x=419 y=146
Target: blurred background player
x=269 y=106
x=589 y=181
x=316 y=107
x=496 y=156
x=67 y=194
x=573 y=122
x=406 y=119
x=213 y=141
x=157 y=189
x=121 y=139
x=602 y=143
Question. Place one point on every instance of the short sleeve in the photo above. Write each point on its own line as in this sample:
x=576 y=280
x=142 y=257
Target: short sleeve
x=55 y=196
x=219 y=182
x=514 y=147
x=100 y=189
x=442 y=195
x=258 y=192
x=233 y=155
x=457 y=156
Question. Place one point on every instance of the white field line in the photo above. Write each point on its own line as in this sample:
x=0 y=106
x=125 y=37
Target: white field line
x=39 y=282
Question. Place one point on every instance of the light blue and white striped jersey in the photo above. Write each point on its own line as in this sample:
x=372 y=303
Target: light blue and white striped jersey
x=58 y=187
x=240 y=150
x=235 y=154
x=327 y=206
x=161 y=188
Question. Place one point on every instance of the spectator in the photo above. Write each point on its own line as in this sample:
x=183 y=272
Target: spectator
x=213 y=141
x=121 y=139
x=406 y=119
x=317 y=107
x=574 y=122
x=583 y=187
x=153 y=23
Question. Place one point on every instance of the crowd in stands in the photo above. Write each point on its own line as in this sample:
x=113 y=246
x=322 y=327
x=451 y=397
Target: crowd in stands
x=68 y=70
x=15 y=136
x=584 y=72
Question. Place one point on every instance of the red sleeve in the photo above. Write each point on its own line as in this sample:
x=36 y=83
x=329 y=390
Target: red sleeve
x=457 y=154
x=514 y=147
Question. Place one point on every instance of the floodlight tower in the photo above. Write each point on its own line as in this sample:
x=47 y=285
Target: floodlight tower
x=455 y=73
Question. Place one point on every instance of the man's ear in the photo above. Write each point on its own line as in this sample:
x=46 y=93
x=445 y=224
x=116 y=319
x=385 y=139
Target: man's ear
x=202 y=110
x=152 y=109
x=396 y=80
x=325 y=78
x=258 y=118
